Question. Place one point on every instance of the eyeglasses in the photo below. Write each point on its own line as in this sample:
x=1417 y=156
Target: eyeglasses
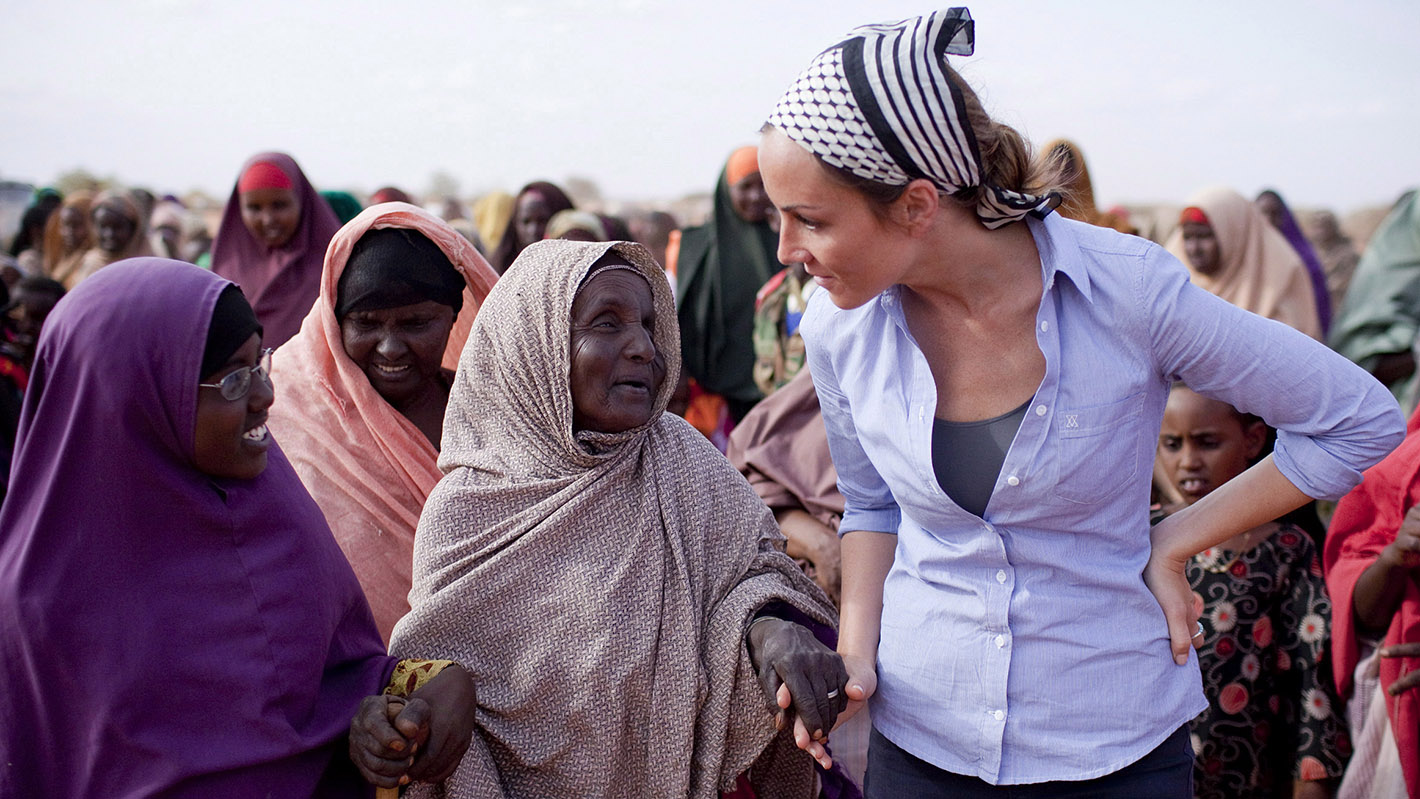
x=236 y=384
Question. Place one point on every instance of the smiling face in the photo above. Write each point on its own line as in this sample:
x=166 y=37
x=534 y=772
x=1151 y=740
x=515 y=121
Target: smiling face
x=399 y=349
x=112 y=230
x=616 y=371
x=231 y=438
x=1200 y=243
x=1205 y=443
x=828 y=227
x=271 y=215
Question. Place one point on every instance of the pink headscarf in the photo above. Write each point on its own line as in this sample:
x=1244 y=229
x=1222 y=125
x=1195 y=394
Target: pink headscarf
x=369 y=468
x=280 y=283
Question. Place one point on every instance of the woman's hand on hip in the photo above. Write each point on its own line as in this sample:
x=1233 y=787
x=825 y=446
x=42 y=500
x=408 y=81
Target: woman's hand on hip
x=1164 y=575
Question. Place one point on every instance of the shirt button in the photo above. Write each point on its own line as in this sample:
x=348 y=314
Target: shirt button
x=1044 y=325
x=989 y=527
x=999 y=715
x=1040 y=410
x=1013 y=480
x=1000 y=641
x=1000 y=575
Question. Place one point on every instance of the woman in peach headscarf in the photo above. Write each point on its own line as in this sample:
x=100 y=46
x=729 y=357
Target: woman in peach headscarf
x=1232 y=251
x=362 y=396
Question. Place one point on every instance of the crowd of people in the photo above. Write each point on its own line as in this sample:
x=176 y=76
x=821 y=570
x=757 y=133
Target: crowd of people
x=909 y=472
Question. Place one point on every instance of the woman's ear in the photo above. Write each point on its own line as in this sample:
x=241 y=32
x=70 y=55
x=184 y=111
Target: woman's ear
x=916 y=208
x=1254 y=435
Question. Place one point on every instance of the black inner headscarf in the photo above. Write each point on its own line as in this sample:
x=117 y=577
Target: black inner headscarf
x=391 y=267
x=233 y=322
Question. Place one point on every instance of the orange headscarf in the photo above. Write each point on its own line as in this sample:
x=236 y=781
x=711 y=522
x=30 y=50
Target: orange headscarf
x=1260 y=271
x=369 y=468
x=743 y=163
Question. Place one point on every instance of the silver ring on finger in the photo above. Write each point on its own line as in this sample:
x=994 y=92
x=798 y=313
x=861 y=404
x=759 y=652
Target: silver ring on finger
x=832 y=694
x=1199 y=632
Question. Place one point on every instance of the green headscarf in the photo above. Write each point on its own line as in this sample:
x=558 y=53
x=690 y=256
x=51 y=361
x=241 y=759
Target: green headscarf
x=721 y=266
x=1381 y=312
x=344 y=204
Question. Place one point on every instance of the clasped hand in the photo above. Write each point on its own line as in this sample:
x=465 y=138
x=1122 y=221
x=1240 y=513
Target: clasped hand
x=803 y=678
x=394 y=740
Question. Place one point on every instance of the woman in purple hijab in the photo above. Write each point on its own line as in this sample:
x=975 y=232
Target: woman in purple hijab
x=175 y=616
x=272 y=241
x=1272 y=206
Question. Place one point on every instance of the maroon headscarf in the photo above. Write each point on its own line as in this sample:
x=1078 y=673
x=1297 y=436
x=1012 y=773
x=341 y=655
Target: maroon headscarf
x=281 y=284
x=164 y=632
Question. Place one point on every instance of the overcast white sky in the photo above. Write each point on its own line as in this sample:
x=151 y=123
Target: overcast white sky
x=647 y=97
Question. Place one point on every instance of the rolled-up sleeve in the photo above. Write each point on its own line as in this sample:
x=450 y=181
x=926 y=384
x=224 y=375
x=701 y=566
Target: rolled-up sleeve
x=868 y=504
x=1333 y=420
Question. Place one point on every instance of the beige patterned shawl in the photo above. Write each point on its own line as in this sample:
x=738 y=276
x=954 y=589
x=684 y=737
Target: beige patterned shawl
x=597 y=586
x=1260 y=272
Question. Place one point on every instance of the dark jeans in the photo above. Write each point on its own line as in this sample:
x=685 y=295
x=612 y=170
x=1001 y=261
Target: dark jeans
x=1165 y=773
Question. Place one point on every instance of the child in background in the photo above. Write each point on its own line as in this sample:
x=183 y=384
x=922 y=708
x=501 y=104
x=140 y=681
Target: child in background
x=1272 y=716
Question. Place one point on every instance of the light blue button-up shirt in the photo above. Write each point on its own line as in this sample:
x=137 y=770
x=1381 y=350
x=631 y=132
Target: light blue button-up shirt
x=1024 y=647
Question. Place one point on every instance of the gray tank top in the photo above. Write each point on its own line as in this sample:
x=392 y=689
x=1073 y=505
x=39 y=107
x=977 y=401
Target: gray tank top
x=967 y=456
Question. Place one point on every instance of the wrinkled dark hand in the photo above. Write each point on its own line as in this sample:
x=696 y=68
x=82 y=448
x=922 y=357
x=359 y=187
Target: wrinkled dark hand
x=395 y=740
x=1409 y=680
x=788 y=655
x=381 y=753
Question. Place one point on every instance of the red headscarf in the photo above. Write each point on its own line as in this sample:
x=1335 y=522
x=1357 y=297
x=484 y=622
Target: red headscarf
x=281 y=283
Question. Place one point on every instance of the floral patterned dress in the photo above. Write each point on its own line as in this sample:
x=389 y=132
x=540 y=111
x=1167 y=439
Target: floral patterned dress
x=1273 y=711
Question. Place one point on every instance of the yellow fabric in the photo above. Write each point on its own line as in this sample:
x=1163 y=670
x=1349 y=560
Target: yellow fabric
x=411 y=675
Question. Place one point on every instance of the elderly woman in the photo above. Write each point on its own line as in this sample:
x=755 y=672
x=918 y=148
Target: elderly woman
x=597 y=564
x=363 y=388
x=274 y=231
x=178 y=620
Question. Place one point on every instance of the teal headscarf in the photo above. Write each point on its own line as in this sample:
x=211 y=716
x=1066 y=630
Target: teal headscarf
x=344 y=204
x=1381 y=312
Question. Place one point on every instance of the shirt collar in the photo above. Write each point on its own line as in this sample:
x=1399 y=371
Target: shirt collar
x=1049 y=233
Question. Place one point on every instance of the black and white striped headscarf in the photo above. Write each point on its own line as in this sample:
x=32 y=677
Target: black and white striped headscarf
x=880 y=104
